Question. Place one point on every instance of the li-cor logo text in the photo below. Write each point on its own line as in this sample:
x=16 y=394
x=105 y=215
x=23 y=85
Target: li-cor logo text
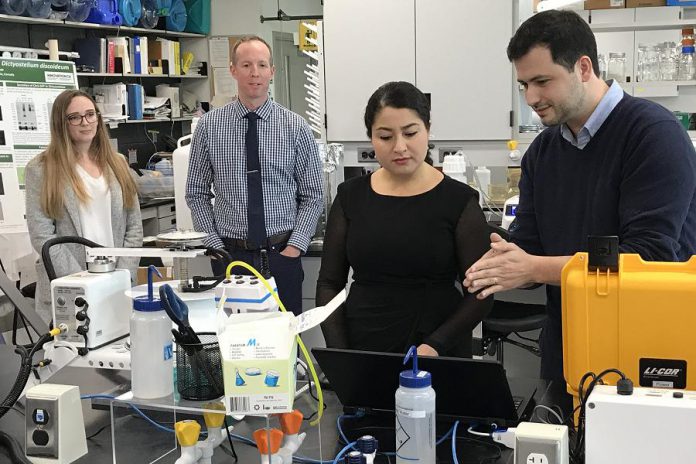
x=664 y=371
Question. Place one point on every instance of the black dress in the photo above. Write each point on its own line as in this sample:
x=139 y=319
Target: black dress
x=407 y=254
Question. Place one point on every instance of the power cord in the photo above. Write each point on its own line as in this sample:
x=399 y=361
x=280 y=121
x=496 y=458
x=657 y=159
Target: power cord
x=623 y=387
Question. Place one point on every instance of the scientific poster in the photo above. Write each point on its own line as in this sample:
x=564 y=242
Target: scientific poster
x=27 y=91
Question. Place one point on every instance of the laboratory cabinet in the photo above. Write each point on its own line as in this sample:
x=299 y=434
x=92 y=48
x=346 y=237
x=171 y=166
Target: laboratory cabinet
x=453 y=50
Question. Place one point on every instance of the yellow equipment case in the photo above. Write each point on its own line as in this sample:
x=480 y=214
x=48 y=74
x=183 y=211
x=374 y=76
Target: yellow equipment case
x=633 y=315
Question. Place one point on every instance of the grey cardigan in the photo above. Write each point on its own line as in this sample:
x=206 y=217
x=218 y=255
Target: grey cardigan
x=70 y=258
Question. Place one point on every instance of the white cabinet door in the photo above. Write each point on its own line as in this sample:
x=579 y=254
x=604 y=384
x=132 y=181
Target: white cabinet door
x=461 y=61
x=366 y=43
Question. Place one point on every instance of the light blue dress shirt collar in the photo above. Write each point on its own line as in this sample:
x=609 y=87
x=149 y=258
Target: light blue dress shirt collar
x=599 y=115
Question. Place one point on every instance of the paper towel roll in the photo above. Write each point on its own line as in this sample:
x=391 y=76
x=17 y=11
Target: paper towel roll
x=53 y=49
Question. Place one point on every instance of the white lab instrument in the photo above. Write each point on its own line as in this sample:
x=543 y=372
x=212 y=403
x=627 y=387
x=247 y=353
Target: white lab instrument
x=509 y=211
x=96 y=309
x=246 y=294
x=55 y=428
x=541 y=443
x=93 y=306
x=651 y=425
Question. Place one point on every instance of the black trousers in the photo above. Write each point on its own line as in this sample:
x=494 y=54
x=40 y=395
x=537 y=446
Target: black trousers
x=288 y=272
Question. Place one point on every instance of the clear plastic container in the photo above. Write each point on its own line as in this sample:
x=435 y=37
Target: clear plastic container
x=78 y=10
x=149 y=16
x=616 y=66
x=13 y=7
x=39 y=8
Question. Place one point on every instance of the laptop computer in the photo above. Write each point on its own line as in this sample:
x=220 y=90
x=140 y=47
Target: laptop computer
x=467 y=389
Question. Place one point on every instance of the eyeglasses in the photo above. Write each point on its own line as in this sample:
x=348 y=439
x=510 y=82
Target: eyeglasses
x=76 y=119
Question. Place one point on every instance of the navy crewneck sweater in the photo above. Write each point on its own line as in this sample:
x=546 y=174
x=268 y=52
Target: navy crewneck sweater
x=636 y=178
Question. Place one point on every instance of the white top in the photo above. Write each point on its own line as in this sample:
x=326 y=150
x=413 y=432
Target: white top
x=95 y=215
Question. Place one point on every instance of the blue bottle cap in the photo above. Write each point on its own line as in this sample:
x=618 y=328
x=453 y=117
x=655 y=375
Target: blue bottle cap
x=148 y=302
x=367 y=444
x=414 y=378
x=688 y=49
x=355 y=457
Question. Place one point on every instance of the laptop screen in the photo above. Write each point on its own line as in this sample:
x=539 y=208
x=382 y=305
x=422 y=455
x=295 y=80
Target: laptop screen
x=468 y=389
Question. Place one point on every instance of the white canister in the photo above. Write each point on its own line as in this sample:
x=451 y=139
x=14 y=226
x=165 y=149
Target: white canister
x=151 y=348
x=483 y=180
x=455 y=166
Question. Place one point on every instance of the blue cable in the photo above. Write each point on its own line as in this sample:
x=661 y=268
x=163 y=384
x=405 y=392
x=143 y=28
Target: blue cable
x=343 y=451
x=340 y=418
x=303 y=459
x=244 y=440
x=445 y=436
x=454 y=442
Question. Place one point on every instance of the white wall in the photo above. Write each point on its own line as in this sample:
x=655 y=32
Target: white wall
x=237 y=17
x=234 y=17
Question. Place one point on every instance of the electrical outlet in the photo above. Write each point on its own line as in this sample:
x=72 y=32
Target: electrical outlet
x=366 y=155
x=444 y=151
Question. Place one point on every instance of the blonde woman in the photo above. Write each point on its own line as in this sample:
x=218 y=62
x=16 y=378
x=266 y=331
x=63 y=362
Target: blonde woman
x=79 y=186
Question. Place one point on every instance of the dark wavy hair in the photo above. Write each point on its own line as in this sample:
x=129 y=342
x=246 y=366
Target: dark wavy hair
x=564 y=33
x=398 y=94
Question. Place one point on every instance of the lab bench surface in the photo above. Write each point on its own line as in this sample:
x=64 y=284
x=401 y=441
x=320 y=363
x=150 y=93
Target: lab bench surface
x=138 y=441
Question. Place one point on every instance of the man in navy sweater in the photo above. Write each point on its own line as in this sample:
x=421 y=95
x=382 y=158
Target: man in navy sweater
x=608 y=164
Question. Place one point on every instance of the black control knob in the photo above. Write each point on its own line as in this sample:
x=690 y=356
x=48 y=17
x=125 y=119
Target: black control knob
x=80 y=302
x=81 y=315
x=40 y=437
x=83 y=329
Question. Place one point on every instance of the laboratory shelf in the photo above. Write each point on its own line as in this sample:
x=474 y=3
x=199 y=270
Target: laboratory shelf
x=130 y=75
x=105 y=27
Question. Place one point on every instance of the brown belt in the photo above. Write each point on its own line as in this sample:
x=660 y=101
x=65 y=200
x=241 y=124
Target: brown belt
x=241 y=244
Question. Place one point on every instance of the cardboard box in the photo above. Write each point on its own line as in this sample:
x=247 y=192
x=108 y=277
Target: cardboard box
x=142 y=275
x=604 y=4
x=644 y=3
x=259 y=356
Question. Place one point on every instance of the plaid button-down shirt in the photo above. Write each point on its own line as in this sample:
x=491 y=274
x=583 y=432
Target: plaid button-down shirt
x=291 y=173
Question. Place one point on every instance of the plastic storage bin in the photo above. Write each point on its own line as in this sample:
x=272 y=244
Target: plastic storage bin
x=199 y=369
x=130 y=11
x=198 y=16
x=176 y=21
x=105 y=12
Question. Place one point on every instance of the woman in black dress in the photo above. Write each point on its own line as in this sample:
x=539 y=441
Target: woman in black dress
x=409 y=233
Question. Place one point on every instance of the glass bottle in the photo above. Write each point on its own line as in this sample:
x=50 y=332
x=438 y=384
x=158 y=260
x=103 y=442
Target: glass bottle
x=616 y=67
x=602 y=61
x=686 y=63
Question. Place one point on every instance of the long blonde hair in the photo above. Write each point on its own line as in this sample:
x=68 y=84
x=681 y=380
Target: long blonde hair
x=60 y=158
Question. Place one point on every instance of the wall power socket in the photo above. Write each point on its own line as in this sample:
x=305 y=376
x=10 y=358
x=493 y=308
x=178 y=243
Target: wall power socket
x=541 y=443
